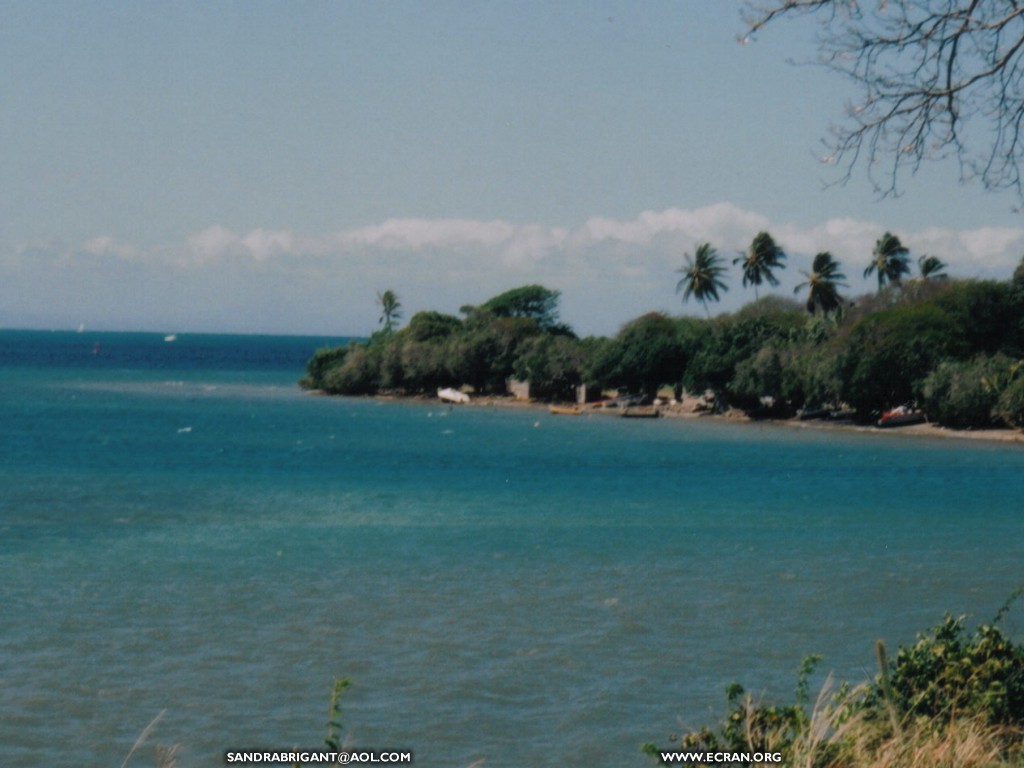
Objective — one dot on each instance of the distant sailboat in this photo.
(171, 337)
(81, 327)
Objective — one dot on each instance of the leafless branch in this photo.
(934, 77)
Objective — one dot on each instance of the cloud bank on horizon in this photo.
(279, 281)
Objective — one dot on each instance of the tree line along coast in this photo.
(949, 348)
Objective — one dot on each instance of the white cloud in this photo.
(986, 252)
(415, 234)
(105, 245)
(719, 224)
(213, 242)
(609, 270)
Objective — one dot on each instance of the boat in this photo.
(901, 416)
(566, 410)
(640, 412)
(171, 337)
(810, 414)
(450, 395)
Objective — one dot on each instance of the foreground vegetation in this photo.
(952, 699)
(956, 347)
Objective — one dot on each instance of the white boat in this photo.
(171, 337)
(450, 395)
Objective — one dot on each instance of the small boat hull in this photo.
(640, 412)
(450, 395)
(901, 417)
(565, 410)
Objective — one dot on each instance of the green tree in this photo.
(702, 276)
(531, 301)
(429, 325)
(728, 341)
(823, 284)
(761, 258)
(889, 260)
(647, 352)
(931, 266)
(390, 310)
(887, 354)
(552, 364)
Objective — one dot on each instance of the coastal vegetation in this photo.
(953, 698)
(954, 347)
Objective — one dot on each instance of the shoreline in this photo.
(687, 410)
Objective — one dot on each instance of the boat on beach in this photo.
(901, 416)
(566, 410)
(450, 395)
(640, 412)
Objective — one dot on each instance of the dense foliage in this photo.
(950, 691)
(955, 347)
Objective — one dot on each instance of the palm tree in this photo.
(889, 260)
(823, 284)
(761, 258)
(702, 276)
(390, 309)
(932, 266)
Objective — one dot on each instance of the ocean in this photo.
(184, 531)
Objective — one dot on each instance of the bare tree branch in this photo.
(936, 78)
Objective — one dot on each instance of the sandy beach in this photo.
(691, 408)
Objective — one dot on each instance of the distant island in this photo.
(952, 349)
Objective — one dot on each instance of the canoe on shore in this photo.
(566, 410)
(640, 412)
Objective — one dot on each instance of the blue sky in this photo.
(270, 166)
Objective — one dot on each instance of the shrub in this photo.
(321, 362)
(949, 674)
(950, 693)
(965, 394)
(1010, 407)
(358, 374)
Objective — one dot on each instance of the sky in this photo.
(270, 167)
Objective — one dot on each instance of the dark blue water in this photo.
(183, 530)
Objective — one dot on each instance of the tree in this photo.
(935, 78)
(647, 352)
(702, 276)
(823, 284)
(889, 260)
(430, 325)
(931, 266)
(533, 301)
(761, 258)
(390, 310)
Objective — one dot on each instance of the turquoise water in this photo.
(183, 530)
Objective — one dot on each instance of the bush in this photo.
(952, 698)
(321, 362)
(1010, 407)
(948, 674)
(359, 374)
(965, 394)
